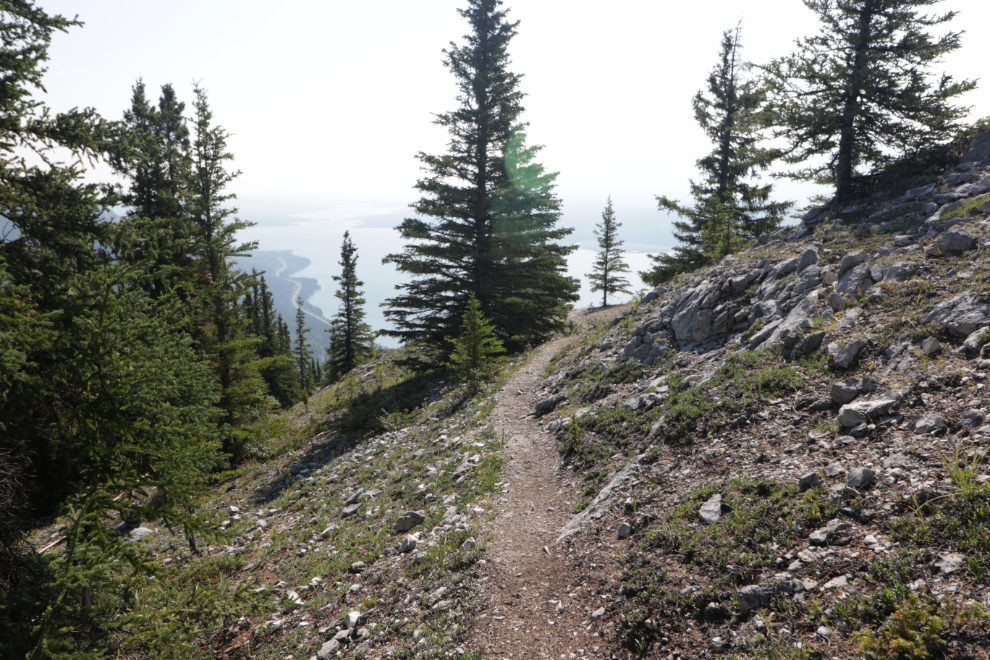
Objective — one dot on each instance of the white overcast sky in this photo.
(329, 101)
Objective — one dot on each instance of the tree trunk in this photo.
(850, 110)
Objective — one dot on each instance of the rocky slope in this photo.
(782, 456)
(792, 444)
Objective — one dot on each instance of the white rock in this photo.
(352, 618)
(711, 510)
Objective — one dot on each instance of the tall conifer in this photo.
(609, 264)
(155, 158)
(487, 217)
(303, 350)
(728, 208)
(859, 93)
(350, 337)
(221, 329)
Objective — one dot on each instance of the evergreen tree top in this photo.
(859, 91)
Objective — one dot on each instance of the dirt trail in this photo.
(533, 604)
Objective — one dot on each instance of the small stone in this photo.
(298, 468)
(328, 650)
(854, 414)
(139, 533)
(834, 470)
(845, 392)
(408, 544)
(597, 614)
(848, 353)
(836, 583)
(951, 243)
(711, 510)
(929, 424)
(547, 405)
(350, 510)
(625, 530)
(972, 418)
(408, 520)
(357, 567)
(860, 430)
(949, 562)
(352, 619)
(851, 260)
(860, 478)
(468, 545)
(931, 346)
(809, 481)
(824, 632)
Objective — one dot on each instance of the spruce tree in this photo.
(487, 218)
(609, 264)
(303, 351)
(859, 93)
(105, 404)
(474, 353)
(221, 329)
(728, 208)
(155, 158)
(350, 337)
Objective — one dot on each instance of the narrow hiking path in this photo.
(536, 598)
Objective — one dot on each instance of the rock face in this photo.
(961, 315)
(808, 258)
(951, 243)
(851, 286)
(604, 498)
(979, 148)
(787, 333)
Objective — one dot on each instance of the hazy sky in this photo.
(333, 99)
(329, 101)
